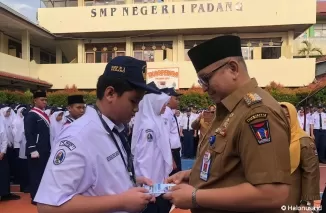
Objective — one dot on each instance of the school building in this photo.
(74, 39)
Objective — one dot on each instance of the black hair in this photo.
(120, 86)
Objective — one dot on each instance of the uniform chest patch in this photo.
(252, 98)
(256, 116)
(261, 132)
(114, 155)
(149, 135)
(59, 157)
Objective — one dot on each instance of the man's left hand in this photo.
(181, 196)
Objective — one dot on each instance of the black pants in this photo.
(4, 177)
(23, 175)
(188, 143)
(323, 202)
(160, 206)
(320, 139)
(177, 160)
(12, 155)
(36, 167)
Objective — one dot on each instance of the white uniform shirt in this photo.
(308, 122)
(84, 161)
(3, 138)
(173, 130)
(184, 121)
(316, 120)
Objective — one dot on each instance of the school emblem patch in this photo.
(149, 135)
(261, 132)
(59, 157)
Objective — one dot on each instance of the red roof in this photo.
(25, 79)
(321, 8)
(320, 59)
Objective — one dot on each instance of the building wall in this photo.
(177, 15)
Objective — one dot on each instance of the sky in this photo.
(27, 8)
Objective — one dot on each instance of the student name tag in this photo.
(204, 172)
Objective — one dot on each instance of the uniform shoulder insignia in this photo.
(261, 131)
(68, 144)
(59, 157)
(252, 98)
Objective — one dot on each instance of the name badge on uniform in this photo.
(204, 172)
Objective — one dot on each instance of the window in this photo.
(190, 44)
(247, 52)
(103, 53)
(150, 52)
(14, 48)
(320, 30)
(270, 52)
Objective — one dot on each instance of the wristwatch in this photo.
(193, 199)
(305, 203)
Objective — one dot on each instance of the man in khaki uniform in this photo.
(243, 162)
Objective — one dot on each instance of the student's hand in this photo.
(135, 199)
(2, 155)
(144, 180)
(35, 154)
(179, 177)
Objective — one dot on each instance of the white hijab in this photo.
(149, 117)
(8, 122)
(56, 126)
(18, 124)
(48, 112)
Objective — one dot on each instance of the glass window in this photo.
(190, 44)
(153, 51)
(271, 52)
(103, 53)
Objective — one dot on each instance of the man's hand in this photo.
(135, 199)
(35, 154)
(179, 177)
(2, 155)
(181, 196)
(148, 182)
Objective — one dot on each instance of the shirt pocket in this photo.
(217, 151)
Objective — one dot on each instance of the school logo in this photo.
(149, 135)
(59, 157)
(261, 132)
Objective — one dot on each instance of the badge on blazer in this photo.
(261, 132)
(205, 166)
(59, 157)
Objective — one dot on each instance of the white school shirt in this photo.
(173, 130)
(184, 121)
(308, 122)
(316, 122)
(84, 161)
(3, 138)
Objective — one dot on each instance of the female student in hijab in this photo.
(304, 163)
(8, 115)
(19, 137)
(150, 146)
(56, 121)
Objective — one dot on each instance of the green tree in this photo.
(308, 50)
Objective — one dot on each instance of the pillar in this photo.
(58, 55)
(3, 43)
(81, 3)
(26, 46)
(37, 55)
(179, 51)
(129, 47)
(80, 51)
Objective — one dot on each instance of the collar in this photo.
(38, 108)
(234, 98)
(169, 110)
(111, 125)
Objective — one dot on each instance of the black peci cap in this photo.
(75, 99)
(39, 94)
(214, 50)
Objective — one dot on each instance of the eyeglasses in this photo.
(203, 81)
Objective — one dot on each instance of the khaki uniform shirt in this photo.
(305, 179)
(252, 137)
